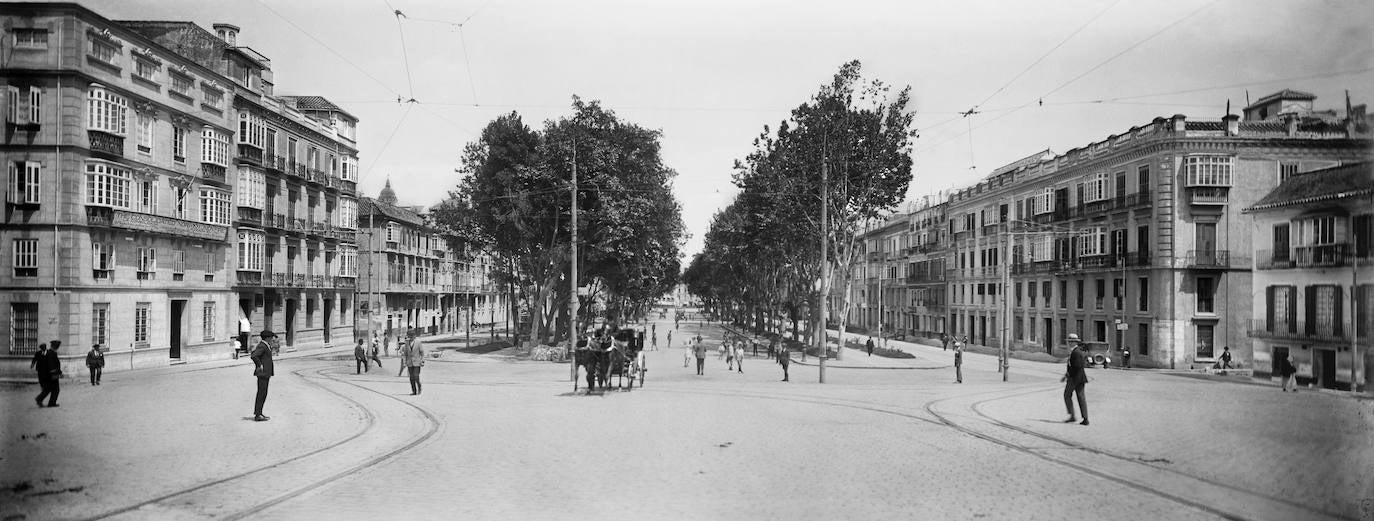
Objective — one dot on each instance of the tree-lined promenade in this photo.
(841, 159)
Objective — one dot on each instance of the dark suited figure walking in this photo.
(785, 359)
(869, 345)
(699, 349)
(262, 369)
(959, 364)
(1075, 379)
(95, 363)
(360, 357)
(49, 369)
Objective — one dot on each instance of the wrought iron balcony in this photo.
(345, 282)
(248, 278)
(213, 172)
(1323, 256)
(99, 216)
(1207, 195)
(146, 222)
(274, 162)
(1319, 331)
(106, 144)
(250, 154)
(1208, 259)
(249, 216)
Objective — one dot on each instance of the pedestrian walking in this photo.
(415, 356)
(773, 348)
(372, 353)
(262, 369)
(700, 351)
(1225, 358)
(95, 363)
(670, 339)
(245, 330)
(739, 356)
(785, 359)
(686, 353)
(49, 369)
(405, 360)
(1126, 359)
(754, 343)
(727, 348)
(654, 340)
(1075, 379)
(958, 364)
(869, 345)
(1288, 372)
(360, 358)
(944, 339)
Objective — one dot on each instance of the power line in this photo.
(405, 55)
(1232, 86)
(387, 143)
(328, 48)
(1048, 53)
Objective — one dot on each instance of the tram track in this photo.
(1055, 454)
(195, 499)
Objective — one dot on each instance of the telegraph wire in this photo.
(405, 55)
(1231, 86)
(328, 48)
(387, 144)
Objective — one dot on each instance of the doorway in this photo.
(178, 310)
(1048, 337)
(290, 322)
(328, 319)
(1206, 244)
(1324, 368)
(1278, 355)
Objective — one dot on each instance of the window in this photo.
(1045, 292)
(1063, 294)
(105, 51)
(207, 321)
(214, 147)
(214, 206)
(1079, 302)
(178, 144)
(348, 213)
(392, 231)
(105, 110)
(252, 188)
(1280, 308)
(147, 263)
(182, 84)
(145, 133)
(1287, 170)
(213, 97)
(250, 250)
(108, 185)
(1092, 241)
(180, 202)
(252, 130)
(1142, 179)
(1143, 294)
(24, 179)
(1143, 330)
(348, 261)
(1099, 330)
(1208, 170)
(1018, 294)
(25, 257)
(35, 105)
(145, 69)
(23, 327)
(312, 158)
(178, 262)
(100, 324)
(1205, 295)
(1206, 334)
(102, 259)
(1323, 230)
(146, 201)
(1119, 293)
(291, 146)
(1095, 188)
(1031, 290)
(1101, 293)
(141, 324)
(12, 104)
(30, 38)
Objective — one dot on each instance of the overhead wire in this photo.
(328, 48)
(386, 144)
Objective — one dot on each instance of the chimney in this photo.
(1179, 122)
(228, 32)
(1232, 123)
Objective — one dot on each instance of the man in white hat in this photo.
(1075, 379)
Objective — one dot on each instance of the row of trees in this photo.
(849, 146)
(514, 200)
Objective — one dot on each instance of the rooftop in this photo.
(1328, 184)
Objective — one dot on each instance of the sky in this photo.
(710, 74)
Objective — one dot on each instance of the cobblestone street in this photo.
(491, 437)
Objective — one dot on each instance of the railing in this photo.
(250, 154)
(248, 278)
(1207, 195)
(1326, 255)
(250, 216)
(107, 144)
(213, 172)
(146, 222)
(299, 280)
(1208, 259)
(1321, 331)
(274, 162)
(278, 221)
(345, 282)
(926, 277)
(99, 216)
(319, 281)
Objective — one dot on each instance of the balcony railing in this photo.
(1207, 259)
(146, 222)
(109, 145)
(926, 277)
(1321, 331)
(213, 172)
(1207, 195)
(345, 282)
(1326, 255)
(249, 216)
(274, 162)
(250, 154)
(99, 216)
(248, 278)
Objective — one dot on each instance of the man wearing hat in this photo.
(1075, 378)
(262, 368)
(414, 359)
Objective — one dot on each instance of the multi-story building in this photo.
(1313, 285)
(129, 145)
(117, 208)
(927, 298)
(411, 277)
(1136, 241)
(900, 281)
(294, 163)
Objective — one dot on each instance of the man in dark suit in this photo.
(1075, 379)
(262, 368)
(49, 368)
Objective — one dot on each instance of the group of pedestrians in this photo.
(412, 357)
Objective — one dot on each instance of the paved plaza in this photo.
(493, 437)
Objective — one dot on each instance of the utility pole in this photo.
(371, 261)
(1006, 301)
(572, 276)
(1354, 323)
(825, 232)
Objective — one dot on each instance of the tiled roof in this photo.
(368, 206)
(315, 103)
(1340, 182)
(1284, 94)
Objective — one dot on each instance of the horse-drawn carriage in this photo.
(611, 353)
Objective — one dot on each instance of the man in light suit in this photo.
(415, 359)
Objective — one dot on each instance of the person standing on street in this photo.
(262, 369)
(699, 348)
(1288, 372)
(360, 358)
(95, 363)
(739, 356)
(869, 345)
(415, 356)
(405, 360)
(1075, 379)
(958, 364)
(245, 330)
(49, 369)
(785, 359)
(372, 353)
(944, 339)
